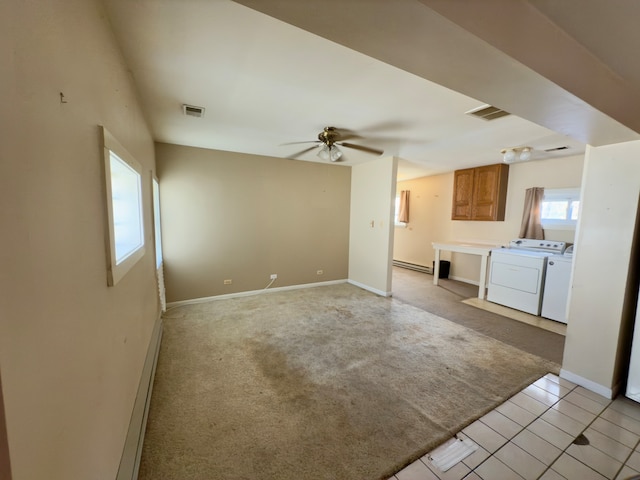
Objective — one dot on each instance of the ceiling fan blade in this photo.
(350, 136)
(346, 134)
(375, 151)
(301, 152)
(297, 143)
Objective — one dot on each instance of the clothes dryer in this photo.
(517, 273)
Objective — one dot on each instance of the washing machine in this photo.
(556, 286)
(517, 273)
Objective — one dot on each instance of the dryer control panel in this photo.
(550, 246)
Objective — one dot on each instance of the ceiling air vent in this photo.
(556, 149)
(487, 112)
(193, 111)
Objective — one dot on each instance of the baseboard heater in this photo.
(413, 266)
(130, 461)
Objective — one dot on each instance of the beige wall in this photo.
(243, 217)
(71, 348)
(371, 231)
(430, 217)
(599, 324)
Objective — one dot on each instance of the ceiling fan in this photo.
(329, 140)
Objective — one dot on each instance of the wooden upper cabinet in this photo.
(480, 193)
(462, 194)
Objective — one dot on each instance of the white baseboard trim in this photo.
(252, 292)
(606, 392)
(130, 461)
(465, 280)
(370, 289)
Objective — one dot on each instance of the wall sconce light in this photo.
(516, 154)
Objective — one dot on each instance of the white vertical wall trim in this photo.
(130, 461)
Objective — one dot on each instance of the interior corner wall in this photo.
(597, 329)
(241, 217)
(72, 349)
(373, 190)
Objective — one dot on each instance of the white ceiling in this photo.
(265, 83)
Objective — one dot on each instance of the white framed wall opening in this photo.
(125, 216)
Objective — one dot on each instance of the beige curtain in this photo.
(403, 213)
(531, 224)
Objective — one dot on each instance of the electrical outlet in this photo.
(228, 282)
(274, 276)
(319, 272)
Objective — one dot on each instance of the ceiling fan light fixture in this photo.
(323, 153)
(334, 153)
(330, 152)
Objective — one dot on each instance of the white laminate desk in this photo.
(482, 249)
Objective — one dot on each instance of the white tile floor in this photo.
(533, 436)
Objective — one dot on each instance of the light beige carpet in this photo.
(321, 383)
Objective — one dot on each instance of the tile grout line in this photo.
(548, 467)
(633, 450)
(563, 451)
(599, 415)
(581, 433)
(524, 428)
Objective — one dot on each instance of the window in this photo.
(397, 212)
(126, 203)
(123, 182)
(560, 208)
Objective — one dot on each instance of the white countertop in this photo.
(466, 247)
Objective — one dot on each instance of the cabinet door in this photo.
(489, 192)
(462, 194)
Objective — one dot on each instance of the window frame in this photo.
(561, 194)
(157, 222)
(116, 270)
